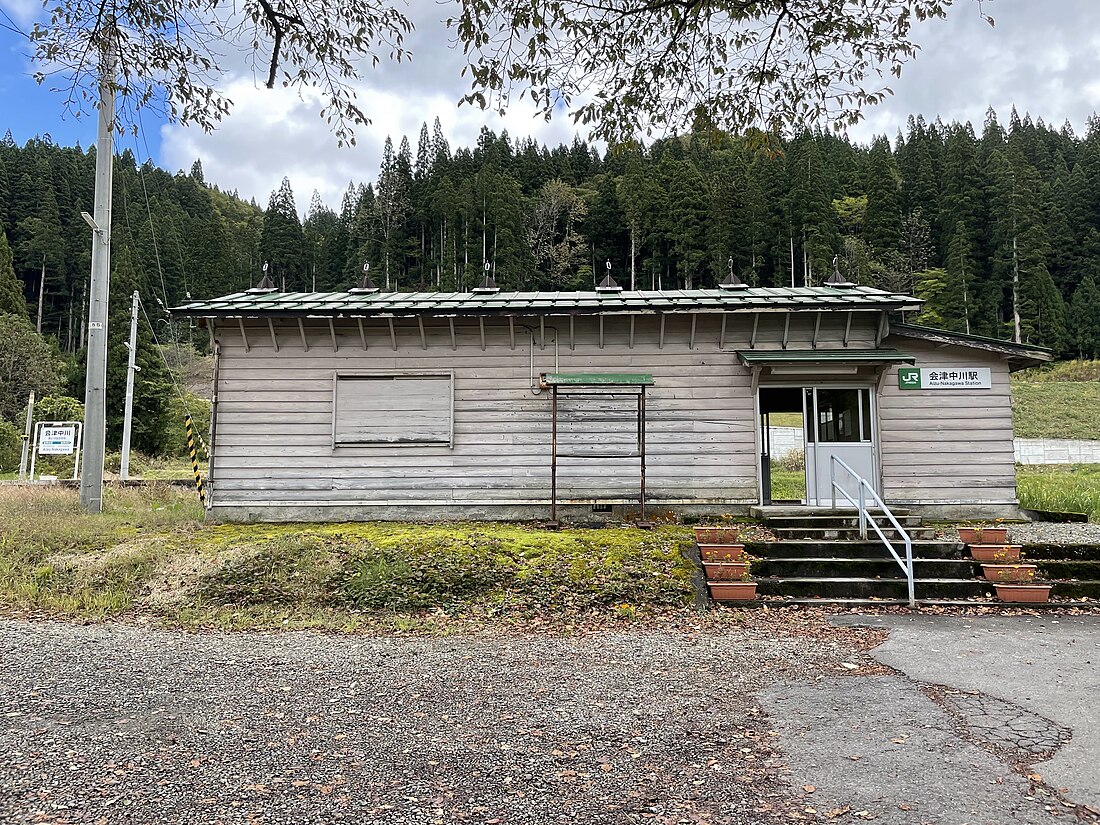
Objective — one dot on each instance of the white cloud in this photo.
(1041, 57)
(22, 12)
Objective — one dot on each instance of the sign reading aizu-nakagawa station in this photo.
(945, 378)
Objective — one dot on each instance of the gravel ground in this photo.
(122, 724)
(1043, 532)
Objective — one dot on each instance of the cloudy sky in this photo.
(1043, 56)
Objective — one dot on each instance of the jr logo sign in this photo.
(909, 378)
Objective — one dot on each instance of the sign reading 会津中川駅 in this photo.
(945, 378)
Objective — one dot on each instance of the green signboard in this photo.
(945, 378)
(909, 378)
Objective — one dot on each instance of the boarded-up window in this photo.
(393, 409)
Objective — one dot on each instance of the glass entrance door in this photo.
(838, 423)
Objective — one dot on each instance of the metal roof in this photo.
(618, 379)
(823, 356)
(346, 304)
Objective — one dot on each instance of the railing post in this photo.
(832, 477)
(910, 571)
(862, 513)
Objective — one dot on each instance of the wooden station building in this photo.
(368, 405)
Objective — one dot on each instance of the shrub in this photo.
(11, 446)
(792, 461)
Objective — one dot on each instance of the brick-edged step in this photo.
(866, 588)
(804, 549)
(871, 568)
(850, 533)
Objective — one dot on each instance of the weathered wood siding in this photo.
(274, 445)
(947, 446)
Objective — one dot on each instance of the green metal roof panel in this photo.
(823, 356)
(597, 379)
(346, 304)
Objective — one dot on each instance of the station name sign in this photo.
(57, 441)
(943, 378)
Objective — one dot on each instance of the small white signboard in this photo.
(57, 441)
(945, 378)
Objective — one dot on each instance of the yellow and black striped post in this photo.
(194, 458)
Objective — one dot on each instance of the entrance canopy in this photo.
(837, 357)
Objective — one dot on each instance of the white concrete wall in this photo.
(1056, 451)
(786, 440)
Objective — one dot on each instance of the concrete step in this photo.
(847, 533)
(867, 588)
(851, 520)
(770, 511)
(802, 549)
(861, 568)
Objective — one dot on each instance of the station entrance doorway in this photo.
(802, 429)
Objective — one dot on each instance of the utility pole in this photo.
(24, 454)
(131, 368)
(95, 389)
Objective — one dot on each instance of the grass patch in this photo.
(788, 485)
(1056, 409)
(151, 553)
(1060, 488)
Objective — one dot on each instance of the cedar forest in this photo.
(999, 232)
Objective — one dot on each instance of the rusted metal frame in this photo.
(423, 334)
(554, 456)
(847, 327)
(393, 334)
(244, 335)
(274, 337)
(817, 329)
(691, 336)
(641, 451)
(755, 328)
(362, 333)
(332, 333)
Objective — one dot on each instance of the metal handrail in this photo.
(865, 517)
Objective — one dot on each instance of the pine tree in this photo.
(393, 205)
(151, 382)
(11, 289)
(281, 241)
(882, 225)
(1085, 319)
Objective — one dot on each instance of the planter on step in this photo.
(983, 535)
(732, 591)
(727, 571)
(1009, 572)
(1033, 593)
(716, 535)
(996, 553)
(722, 552)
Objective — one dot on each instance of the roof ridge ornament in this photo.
(265, 285)
(731, 281)
(366, 285)
(608, 284)
(488, 283)
(836, 279)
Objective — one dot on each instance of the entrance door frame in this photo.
(870, 386)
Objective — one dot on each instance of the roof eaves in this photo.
(1026, 354)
